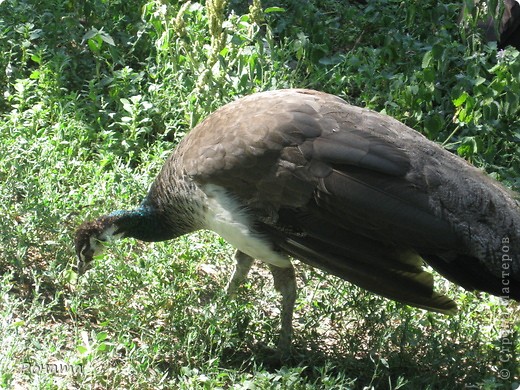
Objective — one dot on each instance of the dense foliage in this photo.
(94, 96)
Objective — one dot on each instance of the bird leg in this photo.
(285, 284)
(242, 267)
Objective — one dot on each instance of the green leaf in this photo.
(274, 9)
(511, 105)
(101, 336)
(433, 124)
(478, 80)
(460, 100)
(95, 44)
(491, 110)
(468, 147)
(429, 75)
(35, 34)
(95, 39)
(93, 32)
(135, 99)
(414, 89)
(107, 38)
(437, 51)
(36, 58)
(426, 59)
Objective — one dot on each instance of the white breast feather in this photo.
(226, 218)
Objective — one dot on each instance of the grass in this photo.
(95, 95)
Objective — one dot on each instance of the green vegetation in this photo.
(94, 95)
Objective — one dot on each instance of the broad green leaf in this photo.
(107, 38)
(90, 34)
(426, 59)
(437, 51)
(101, 336)
(433, 124)
(274, 9)
(460, 100)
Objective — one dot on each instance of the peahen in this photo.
(507, 29)
(302, 174)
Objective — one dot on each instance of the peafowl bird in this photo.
(509, 26)
(507, 31)
(302, 174)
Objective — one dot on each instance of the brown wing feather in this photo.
(383, 188)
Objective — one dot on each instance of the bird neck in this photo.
(144, 224)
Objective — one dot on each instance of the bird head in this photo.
(90, 238)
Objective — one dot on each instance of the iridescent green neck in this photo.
(144, 224)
